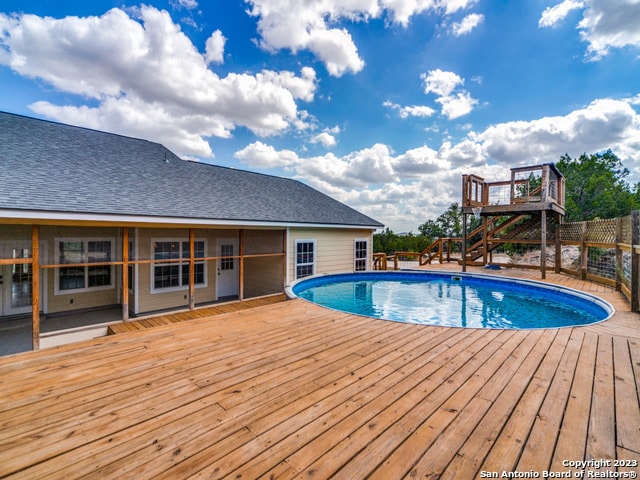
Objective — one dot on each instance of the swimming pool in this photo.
(454, 299)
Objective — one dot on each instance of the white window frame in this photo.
(357, 259)
(86, 288)
(181, 254)
(304, 264)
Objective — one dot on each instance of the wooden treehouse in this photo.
(526, 209)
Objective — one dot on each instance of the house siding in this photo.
(334, 248)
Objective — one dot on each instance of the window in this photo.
(305, 258)
(172, 267)
(360, 255)
(226, 263)
(83, 251)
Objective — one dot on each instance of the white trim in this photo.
(366, 255)
(234, 273)
(295, 257)
(152, 289)
(137, 219)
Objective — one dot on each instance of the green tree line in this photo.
(596, 186)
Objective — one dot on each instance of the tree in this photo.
(389, 242)
(448, 224)
(596, 187)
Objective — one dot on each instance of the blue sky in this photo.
(382, 104)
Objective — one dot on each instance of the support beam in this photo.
(543, 244)
(558, 263)
(618, 250)
(284, 259)
(125, 274)
(241, 266)
(485, 244)
(584, 256)
(464, 241)
(635, 261)
(192, 269)
(35, 286)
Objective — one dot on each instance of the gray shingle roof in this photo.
(47, 166)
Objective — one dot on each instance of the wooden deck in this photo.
(292, 390)
(210, 311)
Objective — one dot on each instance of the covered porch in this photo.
(73, 279)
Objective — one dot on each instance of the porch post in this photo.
(35, 286)
(543, 244)
(465, 200)
(485, 243)
(125, 274)
(192, 269)
(464, 241)
(635, 260)
(558, 239)
(285, 273)
(241, 266)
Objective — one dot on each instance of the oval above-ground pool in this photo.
(454, 299)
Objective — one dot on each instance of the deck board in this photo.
(292, 390)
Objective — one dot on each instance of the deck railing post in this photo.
(35, 286)
(618, 250)
(584, 257)
(464, 241)
(125, 274)
(558, 240)
(635, 260)
(192, 268)
(543, 244)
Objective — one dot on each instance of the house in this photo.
(91, 220)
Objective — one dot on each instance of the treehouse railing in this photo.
(534, 184)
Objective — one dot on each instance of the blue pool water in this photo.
(456, 300)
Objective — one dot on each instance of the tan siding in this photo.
(334, 248)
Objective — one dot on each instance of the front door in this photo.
(15, 285)
(227, 282)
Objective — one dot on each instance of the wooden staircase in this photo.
(499, 230)
(503, 229)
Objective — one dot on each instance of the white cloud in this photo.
(410, 110)
(605, 24)
(551, 16)
(324, 138)
(147, 68)
(453, 6)
(406, 189)
(259, 155)
(295, 25)
(454, 103)
(603, 124)
(188, 4)
(467, 24)
(440, 82)
(457, 105)
(610, 24)
(214, 48)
